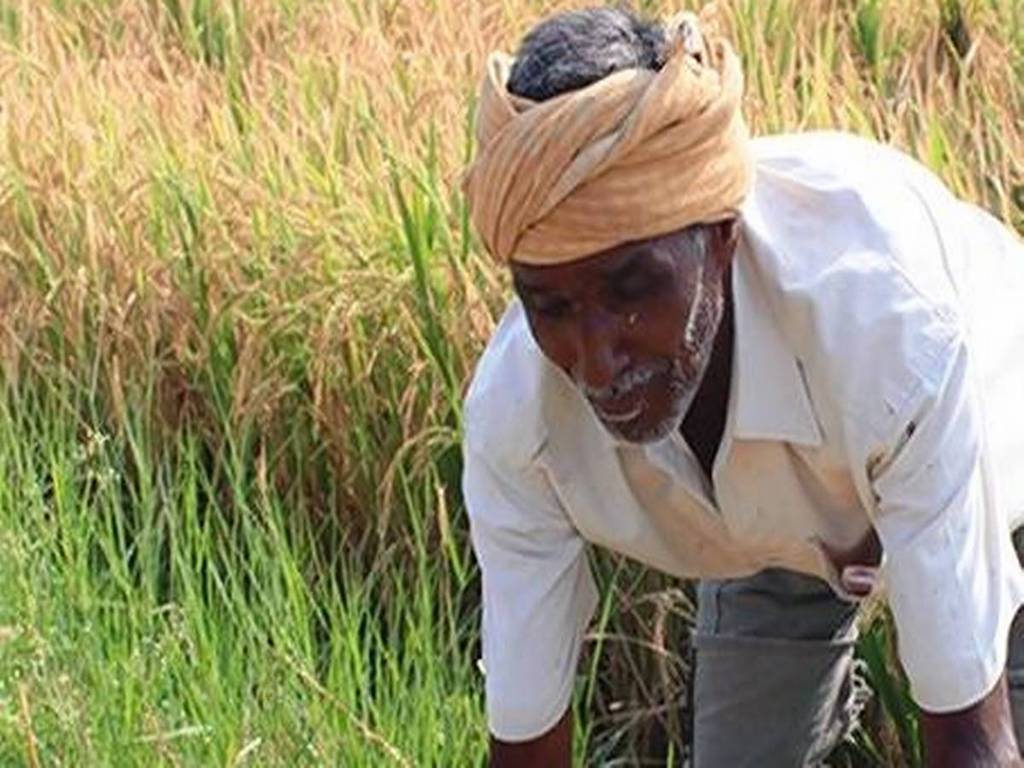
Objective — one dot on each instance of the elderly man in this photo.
(789, 366)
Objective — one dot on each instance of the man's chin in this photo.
(640, 431)
(646, 427)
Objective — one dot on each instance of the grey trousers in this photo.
(795, 638)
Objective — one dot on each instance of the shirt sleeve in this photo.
(953, 578)
(538, 596)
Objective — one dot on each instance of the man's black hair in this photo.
(574, 49)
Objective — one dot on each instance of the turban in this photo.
(636, 154)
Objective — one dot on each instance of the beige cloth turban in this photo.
(634, 155)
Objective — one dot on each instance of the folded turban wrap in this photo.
(636, 154)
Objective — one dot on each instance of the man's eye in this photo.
(633, 288)
(551, 308)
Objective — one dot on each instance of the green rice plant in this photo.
(9, 21)
(896, 724)
(150, 615)
(870, 29)
(210, 29)
(240, 301)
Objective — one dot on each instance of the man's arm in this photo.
(553, 749)
(981, 735)
(952, 575)
(538, 596)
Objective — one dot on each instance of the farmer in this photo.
(788, 366)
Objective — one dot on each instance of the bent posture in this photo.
(788, 366)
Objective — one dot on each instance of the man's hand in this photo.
(553, 749)
(980, 736)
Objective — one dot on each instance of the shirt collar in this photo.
(771, 401)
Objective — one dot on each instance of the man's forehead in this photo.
(611, 262)
(607, 264)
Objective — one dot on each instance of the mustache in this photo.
(629, 380)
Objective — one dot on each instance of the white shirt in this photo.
(878, 382)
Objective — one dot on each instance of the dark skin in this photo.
(620, 310)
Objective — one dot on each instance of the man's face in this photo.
(633, 326)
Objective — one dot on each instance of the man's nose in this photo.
(599, 360)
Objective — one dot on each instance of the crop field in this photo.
(240, 301)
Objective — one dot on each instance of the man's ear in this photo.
(724, 236)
